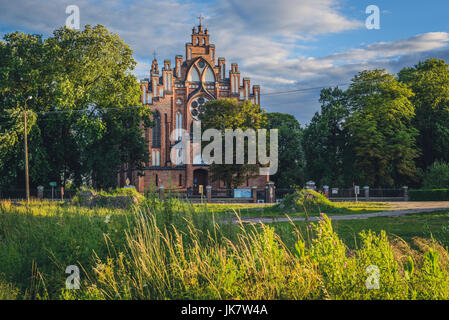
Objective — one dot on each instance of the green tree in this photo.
(429, 81)
(231, 114)
(85, 122)
(380, 129)
(21, 75)
(328, 160)
(291, 158)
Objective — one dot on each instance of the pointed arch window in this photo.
(156, 158)
(178, 126)
(209, 75)
(157, 130)
(194, 76)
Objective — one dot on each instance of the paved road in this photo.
(396, 209)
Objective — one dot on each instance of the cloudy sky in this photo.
(282, 45)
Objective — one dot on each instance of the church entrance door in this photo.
(199, 178)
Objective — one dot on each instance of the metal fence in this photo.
(335, 194)
(20, 194)
(348, 194)
(375, 194)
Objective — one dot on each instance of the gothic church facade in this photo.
(176, 96)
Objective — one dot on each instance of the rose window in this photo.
(197, 106)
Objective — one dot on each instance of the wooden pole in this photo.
(27, 179)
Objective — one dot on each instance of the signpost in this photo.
(200, 190)
(242, 193)
(52, 185)
(356, 191)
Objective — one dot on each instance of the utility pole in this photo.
(27, 180)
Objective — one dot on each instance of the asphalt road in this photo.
(396, 209)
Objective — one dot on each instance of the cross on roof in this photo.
(154, 54)
(200, 18)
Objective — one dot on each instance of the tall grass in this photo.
(173, 250)
(168, 262)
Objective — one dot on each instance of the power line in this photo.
(74, 111)
(139, 107)
(303, 89)
(87, 110)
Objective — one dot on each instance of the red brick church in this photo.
(176, 97)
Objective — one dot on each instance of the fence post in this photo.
(310, 185)
(254, 194)
(326, 191)
(209, 193)
(366, 189)
(270, 192)
(405, 188)
(40, 192)
(161, 193)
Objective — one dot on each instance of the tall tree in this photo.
(325, 141)
(291, 158)
(84, 111)
(380, 129)
(429, 80)
(231, 114)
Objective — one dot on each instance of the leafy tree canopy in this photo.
(429, 81)
(83, 117)
(225, 114)
(325, 141)
(291, 158)
(380, 129)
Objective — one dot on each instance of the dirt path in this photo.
(411, 205)
(397, 209)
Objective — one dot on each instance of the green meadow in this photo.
(176, 250)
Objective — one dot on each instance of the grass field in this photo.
(421, 225)
(270, 210)
(174, 250)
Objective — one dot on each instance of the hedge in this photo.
(429, 195)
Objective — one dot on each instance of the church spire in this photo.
(200, 24)
(154, 66)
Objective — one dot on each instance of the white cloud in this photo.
(146, 25)
(265, 37)
(340, 68)
(419, 43)
(289, 19)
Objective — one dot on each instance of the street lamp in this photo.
(27, 180)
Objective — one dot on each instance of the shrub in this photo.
(307, 201)
(115, 198)
(429, 195)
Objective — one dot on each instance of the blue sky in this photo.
(282, 45)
